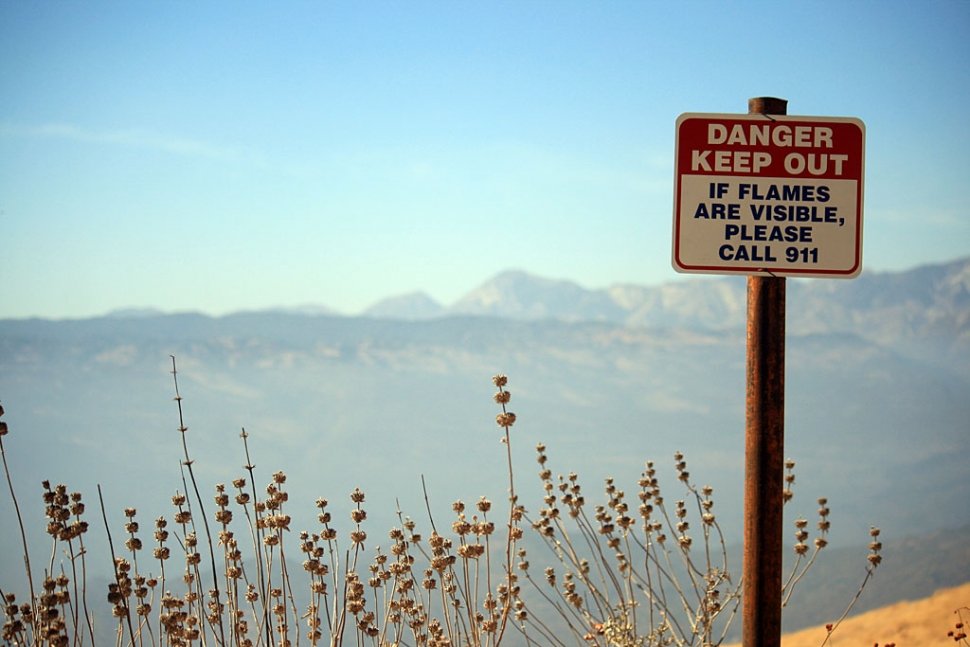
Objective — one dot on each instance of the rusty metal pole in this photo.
(764, 447)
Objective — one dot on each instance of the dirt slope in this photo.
(920, 623)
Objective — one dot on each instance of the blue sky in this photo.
(222, 156)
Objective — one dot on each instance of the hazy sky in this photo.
(219, 156)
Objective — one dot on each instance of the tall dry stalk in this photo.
(4, 430)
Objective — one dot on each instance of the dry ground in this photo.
(920, 623)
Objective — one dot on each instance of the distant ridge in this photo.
(309, 310)
(929, 298)
(518, 295)
(134, 313)
(926, 302)
(930, 302)
(412, 306)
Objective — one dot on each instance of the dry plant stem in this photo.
(205, 521)
(820, 543)
(342, 613)
(510, 543)
(193, 570)
(649, 587)
(566, 611)
(707, 533)
(855, 598)
(565, 548)
(134, 564)
(466, 593)
(606, 574)
(20, 522)
(18, 637)
(542, 628)
(83, 598)
(257, 537)
(731, 617)
(267, 619)
(685, 557)
(427, 505)
(161, 587)
(572, 614)
(628, 583)
(666, 575)
(114, 567)
(700, 595)
(288, 587)
(797, 575)
(959, 632)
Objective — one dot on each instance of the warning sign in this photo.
(768, 195)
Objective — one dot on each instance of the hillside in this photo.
(908, 623)
(912, 568)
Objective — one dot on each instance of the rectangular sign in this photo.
(771, 195)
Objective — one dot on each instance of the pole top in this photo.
(767, 106)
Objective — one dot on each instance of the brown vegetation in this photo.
(629, 572)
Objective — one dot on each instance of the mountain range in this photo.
(398, 401)
(928, 303)
(927, 306)
(929, 297)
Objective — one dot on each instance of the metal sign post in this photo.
(764, 448)
(768, 196)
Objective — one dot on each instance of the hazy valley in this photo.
(877, 401)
